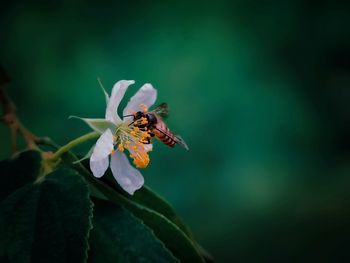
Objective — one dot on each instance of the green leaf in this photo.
(152, 200)
(118, 236)
(47, 221)
(146, 197)
(170, 234)
(21, 170)
(208, 258)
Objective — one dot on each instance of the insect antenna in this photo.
(130, 115)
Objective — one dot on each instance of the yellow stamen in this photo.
(141, 161)
(121, 147)
(134, 139)
(140, 156)
(146, 135)
(143, 120)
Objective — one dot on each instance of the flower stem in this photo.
(75, 142)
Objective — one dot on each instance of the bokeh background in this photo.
(260, 90)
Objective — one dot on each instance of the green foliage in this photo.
(51, 218)
(128, 241)
(180, 244)
(18, 172)
(40, 221)
(146, 197)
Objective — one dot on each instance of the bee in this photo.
(154, 124)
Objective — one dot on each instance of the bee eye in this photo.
(139, 115)
(151, 118)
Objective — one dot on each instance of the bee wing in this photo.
(181, 142)
(162, 110)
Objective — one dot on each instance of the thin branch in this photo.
(9, 108)
(10, 118)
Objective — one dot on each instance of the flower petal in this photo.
(118, 92)
(103, 147)
(99, 125)
(99, 168)
(148, 147)
(128, 177)
(146, 95)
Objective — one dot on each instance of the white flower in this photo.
(117, 135)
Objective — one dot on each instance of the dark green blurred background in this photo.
(259, 90)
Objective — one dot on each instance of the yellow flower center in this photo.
(143, 120)
(134, 139)
(120, 147)
(140, 156)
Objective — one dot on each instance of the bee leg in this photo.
(146, 141)
(131, 123)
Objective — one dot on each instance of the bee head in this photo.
(138, 115)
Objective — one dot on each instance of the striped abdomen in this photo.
(162, 132)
